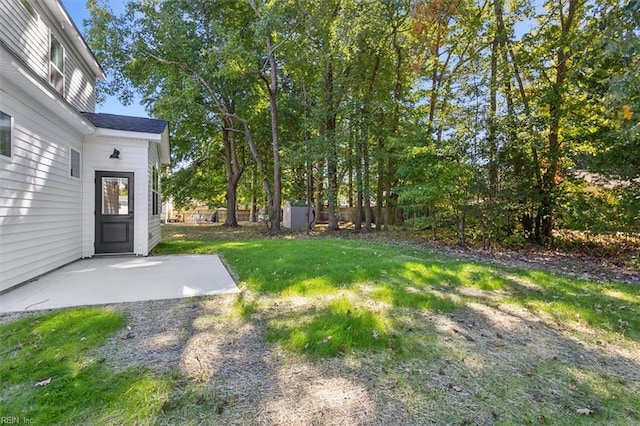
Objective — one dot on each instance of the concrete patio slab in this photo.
(105, 280)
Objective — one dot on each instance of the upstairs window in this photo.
(56, 65)
(6, 131)
(30, 9)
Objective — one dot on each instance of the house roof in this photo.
(122, 126)
(126, 123)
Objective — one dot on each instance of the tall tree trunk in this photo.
(351, 170)
(366, 182)
(311, 212)
(398, 95)
(388, 198)
(332, 149)
(256, 156)
(358, 216)
(275, 199)
(380, 199)
(492, 127)
(319, 187)
(357, 136)
(460, 229)
(254, 195)
(275, 207)
(552, 175)
(366, 127)
(233, 172)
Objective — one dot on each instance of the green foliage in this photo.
(597, 208)
(461, 110)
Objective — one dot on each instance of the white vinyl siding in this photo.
(29, 38)
(40, 207)
(80, 91)
(154, 220)
(133, 158)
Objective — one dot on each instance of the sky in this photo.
(78, 12)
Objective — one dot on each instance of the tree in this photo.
(438, 108)
(156, 47)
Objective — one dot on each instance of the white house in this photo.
(73, 183)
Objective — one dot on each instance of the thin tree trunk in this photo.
(359, 178)
(254, 195)
(319, 189)
(233, 172)
(492, 127)
(380, 184)
(366, 183)
(552, 176)
(460, 229)
(332, 151)
(275, 199)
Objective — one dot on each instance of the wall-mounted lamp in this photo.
(116, 154)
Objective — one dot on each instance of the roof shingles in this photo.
(123, 122)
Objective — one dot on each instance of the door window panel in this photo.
(115, 196)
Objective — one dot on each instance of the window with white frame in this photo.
(6, 134)
(74, 163)
(56, 64)
(30, 9)
(155, 192)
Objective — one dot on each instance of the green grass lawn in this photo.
(324, 298)
(49, 375)
(408, 277)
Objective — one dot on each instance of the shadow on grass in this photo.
(550, 373)
(407, 277)
(611, 307)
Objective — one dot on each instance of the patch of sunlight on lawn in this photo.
(419, 272)
(616, 294)
(401, 296)
(240, 244)
(336, 329)
(311, 287)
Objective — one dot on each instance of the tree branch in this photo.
(214, 95)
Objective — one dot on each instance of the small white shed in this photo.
(122, 202)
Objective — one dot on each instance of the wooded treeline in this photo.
(490, 115)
